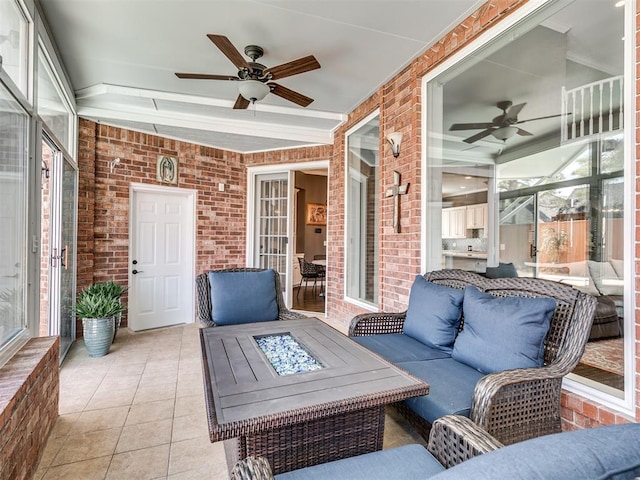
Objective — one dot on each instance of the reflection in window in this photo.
(13, 212)
(362, 212)
(544, 110)
(14, 42)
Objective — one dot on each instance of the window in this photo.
(13, 218)
(361, 219)
(53, 107)
(14, 42)
(532, 126)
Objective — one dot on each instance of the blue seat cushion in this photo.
(451, 385)
(502, 333)
(243, 297)
(401, 463)
(611, 452)
(434, 314)
(398, 347)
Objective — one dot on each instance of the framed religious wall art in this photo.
(167, 169)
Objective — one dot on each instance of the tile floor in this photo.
(139, 413)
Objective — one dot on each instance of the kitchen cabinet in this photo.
(476, 216)
(454, 222)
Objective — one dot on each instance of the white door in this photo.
(161, 257)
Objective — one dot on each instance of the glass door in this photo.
(271, 247)
(59, 246)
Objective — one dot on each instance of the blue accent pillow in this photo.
(502, 333)
(243, 297)
(434, 312)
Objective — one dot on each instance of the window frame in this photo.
(494, 38)
(370, 306)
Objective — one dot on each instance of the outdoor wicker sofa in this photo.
(244, 295)
(458, 449)
(512, 405)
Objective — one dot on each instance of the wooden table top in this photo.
(245, 394)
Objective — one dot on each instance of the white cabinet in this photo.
(477, 216)
(454, 222)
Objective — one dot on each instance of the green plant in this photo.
(100, 300)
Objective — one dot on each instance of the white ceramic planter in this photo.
(98, 335)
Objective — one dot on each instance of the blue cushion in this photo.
(611, 452)
(397, 347)
(502, 333)
(433, 316)
(243, 297)
(401, 463)
(451, 385)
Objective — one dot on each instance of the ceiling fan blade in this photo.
(231, 52)
(478, 136)
(540, 118)
(290, 95)
(512, 113)
(524, 133)
(301, 65)
(470, 126)
(241, 103)
(205, 76)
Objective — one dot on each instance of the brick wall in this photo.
(29, 394)
(103, 205)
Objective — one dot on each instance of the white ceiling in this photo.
(121, 56)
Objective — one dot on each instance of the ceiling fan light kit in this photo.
(253, 90)
(254, 79)
(505, 133)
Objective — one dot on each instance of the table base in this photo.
(317, 441)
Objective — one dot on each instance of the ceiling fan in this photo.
(501, 127)
(254, 79)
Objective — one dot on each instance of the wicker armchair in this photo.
(511, 405)
(453, 440)
(203, 289)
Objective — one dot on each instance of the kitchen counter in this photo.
(465, 254)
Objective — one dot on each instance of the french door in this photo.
(271, 227)
(60, 187)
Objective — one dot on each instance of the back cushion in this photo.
(502, 333)
(243, 297)
(605, 278)
(434, 313)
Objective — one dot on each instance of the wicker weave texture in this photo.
(318, 441)
(516, 404)
(203, 289)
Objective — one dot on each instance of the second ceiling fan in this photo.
(501, 127)
(255, 79)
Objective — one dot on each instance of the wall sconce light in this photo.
(114, 163)
(45, 169)
(395, 139)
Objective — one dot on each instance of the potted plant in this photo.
(108, 289)
(98, 309)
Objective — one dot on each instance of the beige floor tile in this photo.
(107, 398)
(190, 385)
(190, 405)
(143, 435)
(150, 412)
(156, 378)
(156, 391)
(63, 425)
(129, 368)
(102, 419)
(51, 449)
(72, 404)
(95, 468)
(119, 382)
(85, 446)
(189, 426)
(197, 452)
(144, 464)
(215, 472)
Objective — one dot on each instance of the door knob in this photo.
(135, 272)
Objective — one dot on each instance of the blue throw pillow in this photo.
(502, 333)
(243, 297)
(433, 316)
